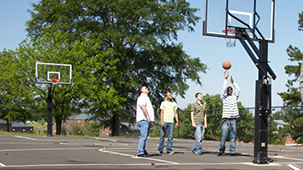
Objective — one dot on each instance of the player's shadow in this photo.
(227, 154)
(156, 155)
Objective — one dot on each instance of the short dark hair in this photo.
(166, 93)
(196, 95)
(141, 88)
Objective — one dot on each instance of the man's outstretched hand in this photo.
(231, 79)
(226, 74)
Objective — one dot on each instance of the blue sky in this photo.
(212, 51)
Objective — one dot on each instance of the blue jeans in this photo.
(199, 133)
(231, 127)
(144, 130)
(170, 128)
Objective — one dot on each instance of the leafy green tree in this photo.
(245, 125)
(292, 96)
(141, 36)
(185, 129)
(16, 97)
(214, 116)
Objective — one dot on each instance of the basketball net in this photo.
(230, 42)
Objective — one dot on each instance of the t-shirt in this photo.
(143, 99)
(199, 112)
(168, 111)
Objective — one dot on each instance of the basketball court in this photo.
(39, 152)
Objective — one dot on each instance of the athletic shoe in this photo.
(220, 153)
(142, 155)
(159, 153)
(198, 153)
(171, 153)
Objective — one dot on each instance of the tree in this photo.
(16, 96)
(214, 116)
(245, 124)
(141, 35)
(292, 97)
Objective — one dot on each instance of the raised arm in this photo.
(236, 87)
(224, 89)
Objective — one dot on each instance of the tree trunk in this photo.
(115, 124)
(58, 125)
(7, 126)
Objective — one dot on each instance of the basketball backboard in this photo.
(255, 16)
(47, 71)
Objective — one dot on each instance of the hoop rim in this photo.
(55, 81)
(229, 31)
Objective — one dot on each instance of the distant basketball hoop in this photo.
(230, 42)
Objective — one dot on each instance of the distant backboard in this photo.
(46, 71)
(256, 16)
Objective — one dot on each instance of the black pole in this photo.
(50, 110)
(261, 109)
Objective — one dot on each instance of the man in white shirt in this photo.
(144, 116)
(229, 115)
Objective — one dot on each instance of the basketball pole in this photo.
(263, 94)
(50, 110)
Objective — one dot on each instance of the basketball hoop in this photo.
(230, 42)
(55, 81)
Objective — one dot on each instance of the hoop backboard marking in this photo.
(45, 72)
(217, 19)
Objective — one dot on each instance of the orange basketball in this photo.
(226, 65)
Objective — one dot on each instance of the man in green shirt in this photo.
(199, 123)
(168, 114)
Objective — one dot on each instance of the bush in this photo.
(91, 129)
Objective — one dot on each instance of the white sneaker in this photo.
(158, 153)
(171, 153)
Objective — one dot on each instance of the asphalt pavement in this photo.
(41, 152)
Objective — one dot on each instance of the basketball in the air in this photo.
(226, 65)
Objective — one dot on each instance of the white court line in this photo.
(24, 137)
(133, 164)
(134, 156)
(1, 164)
(282, 157)
(44, 149)
(113, 140)
(76, 165)
(61, 143)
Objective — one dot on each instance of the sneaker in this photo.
(142, 155)
(171, 153)
(159, 153)
(198, 153)
(220, 153)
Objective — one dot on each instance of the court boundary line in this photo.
(147, 164)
